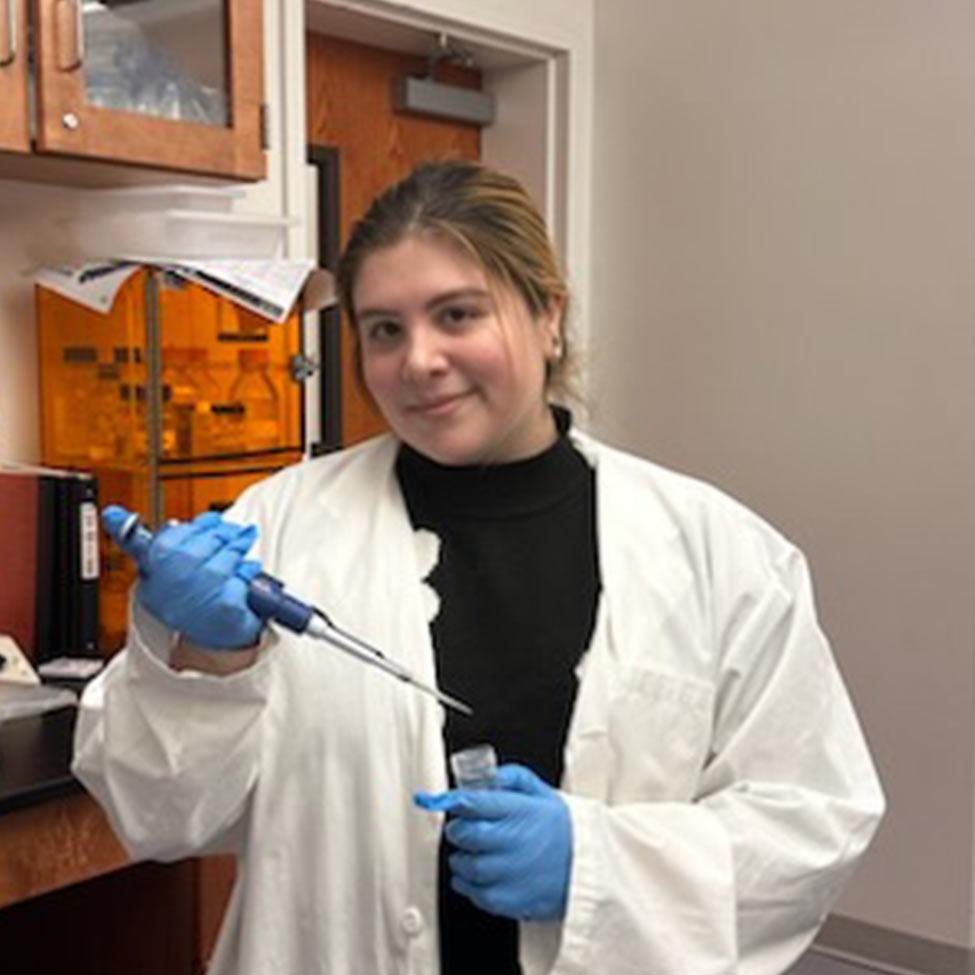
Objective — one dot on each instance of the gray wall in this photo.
(784, 285)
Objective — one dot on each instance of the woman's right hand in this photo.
(194, 579)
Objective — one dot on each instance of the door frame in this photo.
(327, 161)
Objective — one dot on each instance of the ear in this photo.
(550, 324)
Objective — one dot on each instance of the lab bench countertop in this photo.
(52, 833)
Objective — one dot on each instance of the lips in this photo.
(438, 405)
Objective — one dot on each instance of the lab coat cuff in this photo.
(587, 887)
(151, 645)
(567, 948)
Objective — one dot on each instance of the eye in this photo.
(381, 331)
(454, 316)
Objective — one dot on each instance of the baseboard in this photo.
(889, 951)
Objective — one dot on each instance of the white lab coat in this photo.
(719, 785)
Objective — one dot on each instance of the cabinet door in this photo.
(164, 83)
(14, 130)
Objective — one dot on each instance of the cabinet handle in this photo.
(8, 43)
(70, 40)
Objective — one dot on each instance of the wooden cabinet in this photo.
(63, 870)
(14, 124)
(167, 84)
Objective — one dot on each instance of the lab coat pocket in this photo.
(659, 729)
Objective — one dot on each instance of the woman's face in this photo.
(455, 361)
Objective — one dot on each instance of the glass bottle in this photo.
(134, 444)
(73, 401)
(179, 410)
(208, 394)
(132, 407)
(237, 324)
(129, 361)
(106, 426)
(227, 428)
(255, 392)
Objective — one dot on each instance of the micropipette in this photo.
(268, 600)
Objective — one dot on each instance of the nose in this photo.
(424, 354)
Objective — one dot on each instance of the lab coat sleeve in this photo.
(737, 880)
(170, 756)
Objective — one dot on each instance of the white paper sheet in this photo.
(92, 285)
(269, 288)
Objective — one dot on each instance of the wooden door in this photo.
(350, 108)
(161, 84)
(14, 123)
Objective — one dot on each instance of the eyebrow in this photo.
(457, 295)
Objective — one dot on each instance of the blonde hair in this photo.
(490, 216)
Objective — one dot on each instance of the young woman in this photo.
(685, 788)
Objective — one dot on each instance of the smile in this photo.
(441, 406)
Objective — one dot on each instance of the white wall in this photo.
(26, 216)
(783, 254)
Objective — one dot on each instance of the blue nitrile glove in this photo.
(514, 844)
(194, 579)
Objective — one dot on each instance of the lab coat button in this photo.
(412, 921)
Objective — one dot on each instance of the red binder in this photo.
(49, 561)
(19, 505)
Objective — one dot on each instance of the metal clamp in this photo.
(450, 51)
(302, 367)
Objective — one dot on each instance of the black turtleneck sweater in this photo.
(518, 581)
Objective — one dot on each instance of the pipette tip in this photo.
(452, 702)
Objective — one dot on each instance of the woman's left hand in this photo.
(514, 844)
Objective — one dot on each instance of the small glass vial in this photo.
(474, 767)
